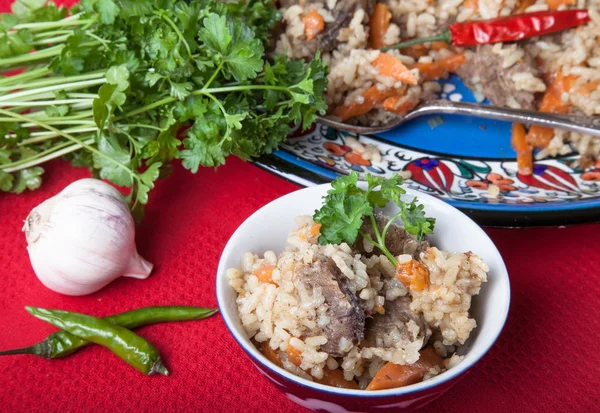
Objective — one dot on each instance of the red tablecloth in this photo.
(546, 359)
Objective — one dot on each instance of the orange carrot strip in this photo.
(471, 4)
(264, 273)
(336, 378)
(314, 230)
(313, 24)
(392, 375)
(588, 88)
(273, 355)
(413, 275)
(439, 68)
(294, 355)
(540, 136)
(391, 105)
(416, 51)
(371, 97)
(555, 4)
(379, 25)
(389, 65)
(522, 5)
(523, 149)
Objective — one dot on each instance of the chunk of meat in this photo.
(397, 315)
(397, 240)
(485, 68)
(343, 12)
(347, 316)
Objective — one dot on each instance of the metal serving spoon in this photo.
(582, 124)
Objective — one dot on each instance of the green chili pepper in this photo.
(131, 348)
(63, 343)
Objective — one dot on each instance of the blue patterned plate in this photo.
(457, 159)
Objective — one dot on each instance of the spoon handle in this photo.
(582, 124)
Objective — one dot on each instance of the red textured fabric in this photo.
(546, 359)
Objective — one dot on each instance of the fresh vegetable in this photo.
(313, 24)
(555, 4)
(392, 375)
(540, 136)
(589, 88)
(412, 274)
(522, 5)
(335, 378)
(503, 29)
(131, 348)
(63, 343)
(346, 204)
(83, 238)
(522, 148)
(371, 98)
(264, 274)
(439, 68)
(394, 104)
(294, 355)
(392, 66)
(379, 24)
(110, 86)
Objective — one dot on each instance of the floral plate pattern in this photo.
(463, 161)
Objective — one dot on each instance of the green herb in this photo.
(346, 204)
(111, 86)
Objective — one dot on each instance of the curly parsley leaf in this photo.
(347, 203)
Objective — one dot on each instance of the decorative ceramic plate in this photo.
(463, 160)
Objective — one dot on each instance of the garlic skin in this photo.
(83, 238)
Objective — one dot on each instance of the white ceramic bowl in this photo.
(267, 229)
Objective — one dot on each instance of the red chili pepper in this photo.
(504, 29)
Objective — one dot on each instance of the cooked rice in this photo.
(284, 313)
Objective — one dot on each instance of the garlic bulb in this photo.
(83, 238)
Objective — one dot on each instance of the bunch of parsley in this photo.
(347, 204)
(111, 84)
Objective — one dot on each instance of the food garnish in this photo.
(346, 204)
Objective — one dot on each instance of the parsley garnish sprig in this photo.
(347, 204)
(111, 85)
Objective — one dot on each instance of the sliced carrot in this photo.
(522, 5)
(523, 149)
(391, 105)
(389, 65)
(294, 355)
(439, 68)
(589, 88)
(416, 51)
(540, 136)
(439, 46)
(413, 275)
(379, 309)
(471, 4)
(555, 4)
(335, 378)
(313, 24)
(392, 375)
(314, 230)
(264, 274)
(273, 355)
(371, 97)
(379, 25)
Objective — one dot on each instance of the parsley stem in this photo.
(51, 33)
(43, 136)
(381, 247)
(214, 75)
(146, 108)
(71, 138)
(37, 27)
(29, 57)
(54, 80)
(240, 88)
(176, 29)
(389, 223)
(51, 40)
(139, 125)
(26, 75)
(26, 104)
(55, 152)
(52, 88)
